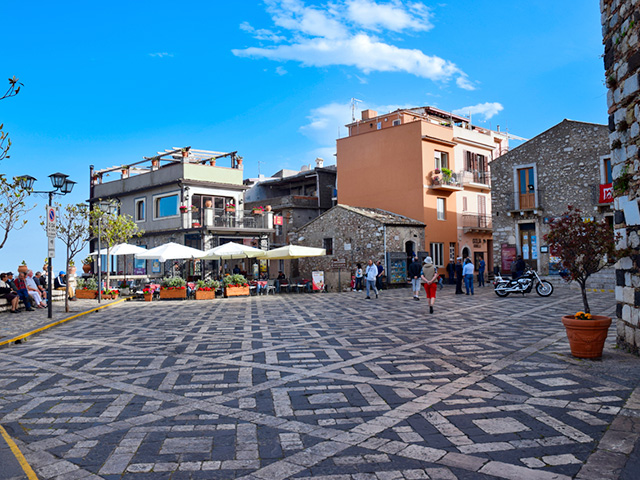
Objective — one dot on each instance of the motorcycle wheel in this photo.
(500, 291)
(544, 288)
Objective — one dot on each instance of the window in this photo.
(327, 244)
(482, 204)
(452, 251)
(139, 210)
(608, 177)
(379, 125)
(441, 159)
(440, 208)
(526, 188)
(396, 123)
(479, 165)
(166, 206)
(437, 253)
(465, 207)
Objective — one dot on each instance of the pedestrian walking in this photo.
(359, 277)
(429, 279)
(415, 271)
(481, 267)
(459, 276)
(371, 273)
(380, 274)
(467, 271)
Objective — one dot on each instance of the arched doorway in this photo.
(465, 252)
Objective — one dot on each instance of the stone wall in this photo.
(356, 239)
(567, 162)
(620, 28)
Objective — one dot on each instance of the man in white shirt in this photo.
(371, 273)
(34, 291)
(467, 272)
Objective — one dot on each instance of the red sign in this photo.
(277, 220)
(508, 257)
(606, 193)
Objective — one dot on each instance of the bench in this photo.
(56, 295)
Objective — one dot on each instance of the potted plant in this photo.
(173, 288)
(206, 289)
(230, 207)
(257, 210)
(235, 285)
(446, 175)
(23, 267)
(148, 294)
(125, 171)
(110, 294)
(72, 267)
(124, 288)
(584, 247)
(87, 288)
(86, 264)
(184, 209)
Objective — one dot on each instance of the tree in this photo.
(73, 230)
(5, 141)
(13, 208)
(584, 247)
(114, 229)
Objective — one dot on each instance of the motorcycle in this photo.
(524, 284)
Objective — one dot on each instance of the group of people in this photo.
(463, 271)
(29, 288)
(372, 274)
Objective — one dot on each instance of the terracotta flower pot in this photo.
(86, 268)
(23, 268)
(586, 337)
(72, 270)
(148, 297)
(205, 294)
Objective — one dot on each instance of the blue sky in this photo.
(109, 83)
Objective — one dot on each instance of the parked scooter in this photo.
(524, 284)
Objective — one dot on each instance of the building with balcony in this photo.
(569, 164)
(188, 196)
(294, 197)
(426, 164)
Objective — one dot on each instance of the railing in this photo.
(528, 201)
(476, 221)
(440, 179)
(286, 201)
(225, 218)
(476, 176)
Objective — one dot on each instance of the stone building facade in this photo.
(569, 164)
(354, 235)
(621, 28)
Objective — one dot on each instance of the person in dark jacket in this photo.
(459, 276)
(415, 270)
(451, 272)
(520, 267)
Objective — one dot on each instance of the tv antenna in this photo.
(354, 104)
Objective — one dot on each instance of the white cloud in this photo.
(332, 34)
(261, 33)
(360, 51)
(161, 54)
(487, 110)
(392, 16)
(280, 71)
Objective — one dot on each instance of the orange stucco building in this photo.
(426, 164)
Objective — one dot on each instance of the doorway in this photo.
(529, 244)
(465, 252)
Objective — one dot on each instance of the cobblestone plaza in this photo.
(325, 386)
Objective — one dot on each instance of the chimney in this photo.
(319, 162)
(368, 114)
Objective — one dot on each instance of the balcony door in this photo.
(526, 188)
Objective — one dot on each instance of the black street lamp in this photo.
(61, 186)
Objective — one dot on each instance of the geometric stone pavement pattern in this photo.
(324, 386)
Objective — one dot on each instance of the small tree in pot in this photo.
(585, 247)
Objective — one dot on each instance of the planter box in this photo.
(148, 297)
(173, 294)
(110, 297)
(205, 295)
(86, 294)
(236, 291)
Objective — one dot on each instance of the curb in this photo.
(26, 468)
(59, 322)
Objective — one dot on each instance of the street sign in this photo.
(52, 229)
(338, 263)
(51, 247)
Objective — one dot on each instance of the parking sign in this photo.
(52, 219)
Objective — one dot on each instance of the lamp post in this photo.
(61, 186)
(109, 208)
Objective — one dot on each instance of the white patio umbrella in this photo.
(170, 251)
(289, 252)
(121, 249)
(233, 250)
